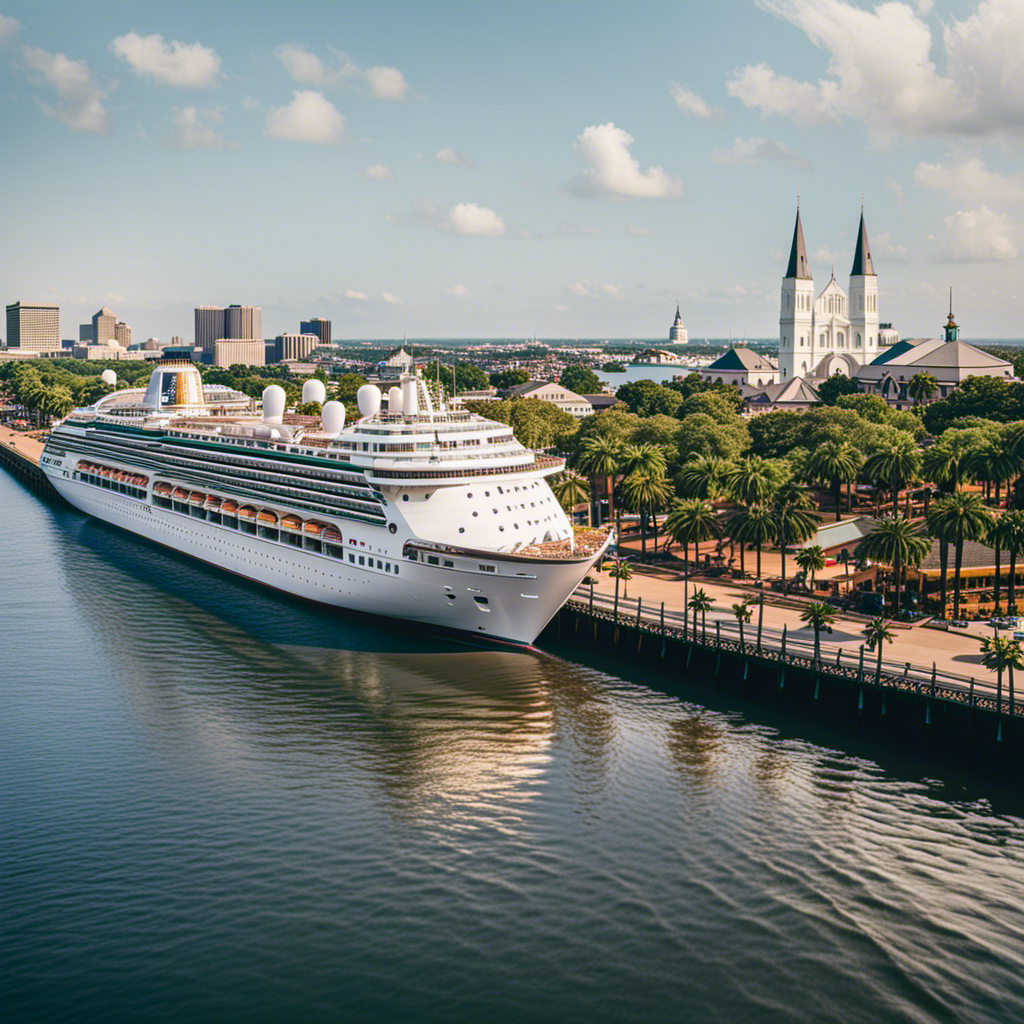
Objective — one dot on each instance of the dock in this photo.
(20, 455)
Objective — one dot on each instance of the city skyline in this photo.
(534, 170)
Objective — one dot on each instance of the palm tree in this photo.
(691, 521)
(701, 602)
(601, 456)
(833, 464)
(751, 480)
(811, 560)
(948, 463)
(742, 612)
(641, 458)
(958, 517)
(794, 521)
(818, 614)
(922, 386)
(1001, 653)
(877, 633)
(704, 477)
(1013, 542)
(1001, 536)
(896, 542)
(645, 493)
(572, 489)
(622, 571)
(994, 463)
(754, 524)
(896, 461)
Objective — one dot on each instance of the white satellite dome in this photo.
(368, 397)
(333, 417)
(313, 391)
(108, 377)
(273, 403)
(395, 401)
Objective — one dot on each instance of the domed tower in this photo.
(796, 318)
(863, 299)
(175, 385)
(678, 334)
(952, 331)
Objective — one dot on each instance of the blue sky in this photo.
(561, 169)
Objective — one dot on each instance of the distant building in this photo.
(656, 357)
(177, 340)
(106, 350)
(103, 326)
(290, 347)
(151, 345)
(742, 366)
(318, 326)
(85, 334)
(123, 333)
(246, 351)
(243, 322)
(34, 326)
(678, 334)
(793, 395)
(234, 323)
(569, 401)
(395, 364)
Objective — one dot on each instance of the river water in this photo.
(219, 805)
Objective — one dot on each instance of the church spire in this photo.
(862, 257)
(798, 265)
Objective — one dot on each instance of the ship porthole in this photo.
(392, 528)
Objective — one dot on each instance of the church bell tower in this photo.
(863, 300)
(796, 316)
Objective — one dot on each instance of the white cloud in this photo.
(897, 192)
(614, 173)
(250, 103)
(587, 289)
(306, 67)
(190, 65)
(8, 28)
(387, 83)
(970, 180)
(471, 219)
(639, 230)
(193, 131)
(756, 149)
(360, 296)
(378, 172)
(880, 70)
(453, 156)
(81, 99)
(458, 290)
(391, 299)
(689, 102)
(613, 291)
(310, 117)
(978, 236)
(885, 246)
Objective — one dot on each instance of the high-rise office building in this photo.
(123, 333)
(209, 326)
(34, 326)
(215, 323)
(103, 324)
(318, 326)
(295, 346)
(85, 333)
(246, 351)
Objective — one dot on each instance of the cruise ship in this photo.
(418, 510)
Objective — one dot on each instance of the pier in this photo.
(20, 456)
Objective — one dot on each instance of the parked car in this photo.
(1018, 634)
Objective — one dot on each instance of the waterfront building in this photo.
(678, 334)
(837, 332)
(244, 351)
(318, 326)
(742, 366)
(34, 326)
(656, 357)
(977, 580)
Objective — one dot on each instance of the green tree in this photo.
(818, 614)
(509, 379)
(752, 524)
(621, 571)
(956, 518)
(1001, 654)
(897, 461)
(742, 612)
(832, 388)
(571, 489)
(922, 386)
(832, 464)
(701, 602)
(811, 560)
(870, 407)
(751, 479)
(691, 521)
(878, 634)
(613, 366)
(310, 409)
(703, 435)
(1006, 533)
(601, 456)
(580, 379)
(704, 477)
(898, 543)
(645, 492)
(647, 398)
(795, 521)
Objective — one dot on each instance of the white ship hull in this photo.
(520, 597)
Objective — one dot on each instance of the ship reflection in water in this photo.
(219, 804)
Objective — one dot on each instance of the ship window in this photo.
(405, 497)
(387, 567)
(396, 570)
(462, 529)
(362, 560)
(433, 560)
(352, 559)
(380, 564)
(448, 564)
(488, 568)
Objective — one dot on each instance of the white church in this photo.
(837, 332)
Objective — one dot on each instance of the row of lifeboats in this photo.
(121, 476)
(263, 516)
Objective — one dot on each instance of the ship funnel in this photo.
(410, 397)
(368, 398)
(314, 391)
(333, 418)
(395, 401)
(273, 403)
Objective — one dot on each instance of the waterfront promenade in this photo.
(21, 444)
